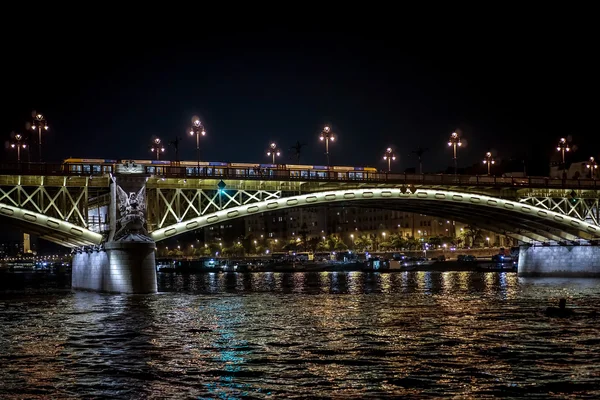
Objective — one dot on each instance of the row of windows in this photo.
(90, 169)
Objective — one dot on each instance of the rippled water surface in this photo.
(302, 335)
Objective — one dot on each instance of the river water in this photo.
(301, 335)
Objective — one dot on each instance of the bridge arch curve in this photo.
(528, 221)
(48, 228)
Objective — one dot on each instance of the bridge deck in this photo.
(309, 175)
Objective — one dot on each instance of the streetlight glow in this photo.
(389, 156)
(455, 141)
(327, 136)
(273, 151)
(592, 165)
(198, 130)
(489, 160)
(157, 147)
(39, 122)
(563, 147)
(18, 144)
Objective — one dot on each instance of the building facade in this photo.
(351, 222)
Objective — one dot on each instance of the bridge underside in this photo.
(51, 229)
(491, 220)
(518, 220)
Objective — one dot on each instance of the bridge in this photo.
(78, 209)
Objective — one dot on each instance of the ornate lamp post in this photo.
(489, 160)
(563, 147)
(389, 156)
(39, 123)
(157, 147)
(273, 151)
(327, 135)
(592, 165)
(197, 129)
(18, 144)
(454, 142)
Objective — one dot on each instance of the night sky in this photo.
(106, 98)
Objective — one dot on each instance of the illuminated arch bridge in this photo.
(74, 210)
(520, 220)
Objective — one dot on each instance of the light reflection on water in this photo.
(273, 335)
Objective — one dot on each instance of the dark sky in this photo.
(514, 94)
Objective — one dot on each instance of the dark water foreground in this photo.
(301, 335)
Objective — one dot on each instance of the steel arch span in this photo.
(48, 228)
(525, 221)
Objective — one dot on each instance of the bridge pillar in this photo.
(559, 261)
(126, 263)
(122, 267)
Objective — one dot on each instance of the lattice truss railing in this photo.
(68, 203)
(169, 206)
(585, 209)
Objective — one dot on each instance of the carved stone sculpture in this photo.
(132, 211)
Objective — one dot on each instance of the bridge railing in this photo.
(379, 177)
(47, 169)
(331, 175)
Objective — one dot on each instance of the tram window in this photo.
(96, 169)
(218, 171)
(294, 173)
(107, 169)
(75, 168)
(86, 169)
(304, 174)
(189, 171)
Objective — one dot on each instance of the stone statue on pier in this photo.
(132, 210)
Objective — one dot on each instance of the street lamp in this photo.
(389, 156)
(157, 147)
(273, 151)
(327, 135)
(489, 160)
(39, 122)
(197, 129)
(455, 141)
(17, 144)
(592, 165)
(563, 147)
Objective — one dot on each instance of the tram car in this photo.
(93, 166)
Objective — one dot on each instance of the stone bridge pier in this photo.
(126, 262)
(581, 261)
